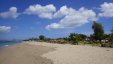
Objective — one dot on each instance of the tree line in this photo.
(98, 37)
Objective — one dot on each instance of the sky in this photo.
(22, 19)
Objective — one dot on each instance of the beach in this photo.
(24, 54)
(49, 53)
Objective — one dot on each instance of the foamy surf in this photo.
(6, 45)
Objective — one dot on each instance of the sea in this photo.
(8, 43)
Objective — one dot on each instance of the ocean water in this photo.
(7, 43)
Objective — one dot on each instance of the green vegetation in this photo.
(75, 38)
(98, 38)
(111, 36)
(98, 31)
(42, 37)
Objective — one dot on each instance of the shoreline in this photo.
(24, 53)
(32, 52)
(10, 43)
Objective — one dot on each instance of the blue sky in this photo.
(22, 19)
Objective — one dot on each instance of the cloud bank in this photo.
(41, 11)
(72, 18)
(69, 17)
(12, 13)
(5, 28)
(106, 10)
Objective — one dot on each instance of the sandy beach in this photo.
(78, 54)
(24, 54)
(48, 53)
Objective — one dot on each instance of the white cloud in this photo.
(41, 11)
(53, 26)
(5, 28)
(72, 18)
(106, 9)
(64, 10)
(12, 13)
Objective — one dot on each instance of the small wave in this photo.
(6, 45)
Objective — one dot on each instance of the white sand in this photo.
(78, 54)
